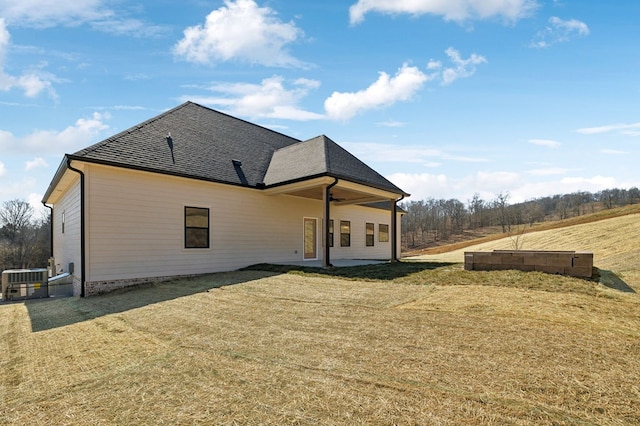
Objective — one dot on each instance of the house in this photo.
(195, 191)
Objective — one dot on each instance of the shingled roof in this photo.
(321, 156)
(200, 143)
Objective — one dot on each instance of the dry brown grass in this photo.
(427, 346)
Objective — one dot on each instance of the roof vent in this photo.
(170, 144)
(237, 163)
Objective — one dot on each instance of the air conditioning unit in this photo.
(19, 284)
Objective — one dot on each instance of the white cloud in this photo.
(35, 200)
(3, 169)
(35, 163)
(407, 82)
(72, 137)
(425, 185)
(46, 13)
(389, 153)
(4, 40)
(385, 91)
(559, 31)
(269, 99)
(379, 152)
(391, 123)
(632, 129)
(450, 10)
(496, 181)
(43, 142)
(16, 187)
(422, 186)
(602, 182)
(129, 27)
(550, 171)
(613, 152)
(242, 31)
(32, 83)
(545, 142)
(462, 67)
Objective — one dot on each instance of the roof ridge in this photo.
(242, 119)
(327, 157)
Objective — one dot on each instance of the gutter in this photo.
(326, 262)
(82, 228)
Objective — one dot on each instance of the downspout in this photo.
(326, 261)
(82, 226)
(50, 228)
(394, 228)
(53, 270)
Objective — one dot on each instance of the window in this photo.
(345, 233)
(331, 233)
(369, 234)
(383, 233)
(63, 220)
(196, 227)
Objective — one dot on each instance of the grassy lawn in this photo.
(413, 343)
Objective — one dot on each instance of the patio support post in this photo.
(326, 199)
(394, 229)
(394, 225)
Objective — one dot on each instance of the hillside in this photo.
(482, 235)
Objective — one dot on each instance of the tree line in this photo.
(431, 220)
(24, 238)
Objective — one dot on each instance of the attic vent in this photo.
(169, 139)
(237, 163)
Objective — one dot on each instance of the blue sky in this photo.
(444, 98)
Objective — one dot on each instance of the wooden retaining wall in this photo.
(577, 264)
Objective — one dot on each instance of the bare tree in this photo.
(517, 238)
(17, 235)
(500, 204)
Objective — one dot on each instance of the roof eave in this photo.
(397, 191)
(62, 168)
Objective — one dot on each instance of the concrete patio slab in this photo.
(337, 263)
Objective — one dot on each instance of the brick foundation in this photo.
(94, 288)
(576, 264)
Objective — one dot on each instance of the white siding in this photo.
(66, 246)
(359, 216)
(136, 226)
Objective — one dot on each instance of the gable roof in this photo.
(209, 145)
(321, 156)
